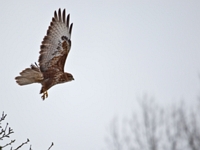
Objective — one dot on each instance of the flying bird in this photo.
(54, 50)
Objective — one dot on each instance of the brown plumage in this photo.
(53, 53)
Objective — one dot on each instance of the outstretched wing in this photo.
(56, 44)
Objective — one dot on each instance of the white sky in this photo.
(120, 51)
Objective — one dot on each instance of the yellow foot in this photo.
(45, 95)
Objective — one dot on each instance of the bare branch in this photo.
(12, 141)
(5, 132)
(3, 117)
(156, 128)
(22, 144)
(114, 142)
(50, 146)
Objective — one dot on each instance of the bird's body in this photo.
(54, 51)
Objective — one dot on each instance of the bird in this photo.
(54, 50)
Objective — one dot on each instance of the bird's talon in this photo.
(45, 95)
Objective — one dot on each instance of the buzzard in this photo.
(53, 53)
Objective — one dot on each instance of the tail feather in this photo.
(30, 75)
(24, 81)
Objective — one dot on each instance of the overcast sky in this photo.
(121, 50)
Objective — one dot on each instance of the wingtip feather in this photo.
(59, 14)
(64, 18)
(70, 29)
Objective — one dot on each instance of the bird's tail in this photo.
(30, 75)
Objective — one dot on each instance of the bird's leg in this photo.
(45, 95)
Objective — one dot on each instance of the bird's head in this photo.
(69, 77)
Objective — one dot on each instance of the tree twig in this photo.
(22, 144)
(50, 146)
(3, 117)
(12, 141)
